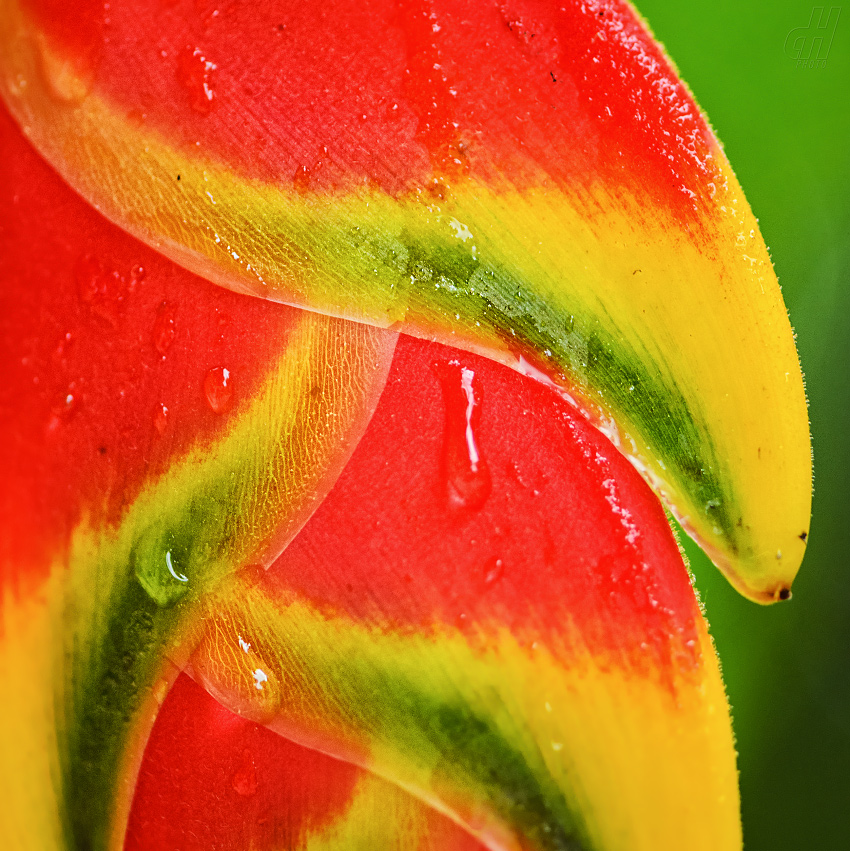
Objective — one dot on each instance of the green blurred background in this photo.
(786, 130)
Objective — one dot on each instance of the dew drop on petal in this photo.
(103, 291)
(236, 671)
(162, 565)
(218, 389)
(163, 328)
(137, 275)
(66, 407)
(63, 348)
(244, 781)
(493, 571)
(70, 401)
(170, 562)
(160, 418)
(195, 74)
(67, 82)
(467, 477)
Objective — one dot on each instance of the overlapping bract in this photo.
(422, 628)
(534, 661)
(145, 458)
(527, 179)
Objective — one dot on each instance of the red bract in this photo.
(319, 94)
(487, 578)
(108, 352)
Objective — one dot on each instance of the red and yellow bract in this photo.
(387, 550)
(557, 604)
(530, 180)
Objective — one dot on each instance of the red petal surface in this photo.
(554, 524)
(522, 179)
(343, 93)
(478, 499)
(212, 779)
(143, 410)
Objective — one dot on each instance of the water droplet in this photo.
(301, 178)
(137, 275)
(493, 571)
(158, 563)
(466, 473)
(169, 563)
(304, 175)
(163, 328)
(195, 74)
(67, 82)
(218, 389)
(71, 402)
(63, 348)
(160, 418)
(244, 781)
(232, 664)
(102, 290)
(210, 18)
(66, 406)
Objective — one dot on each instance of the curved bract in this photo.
(526, 180)
(527, 657)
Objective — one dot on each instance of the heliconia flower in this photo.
(530, 180)
(422, 601)
(487, 618)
